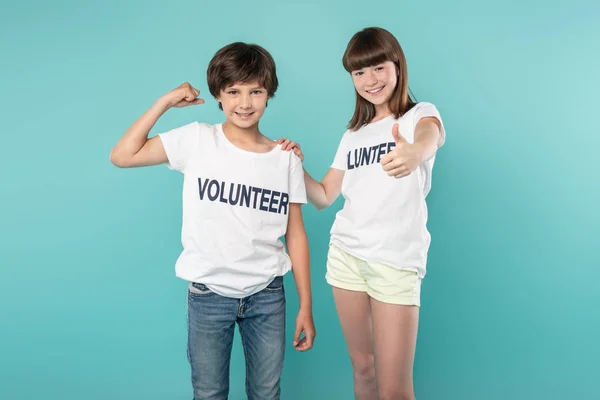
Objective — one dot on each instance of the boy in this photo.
(241, 193)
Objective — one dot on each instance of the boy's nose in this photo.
(245, 102)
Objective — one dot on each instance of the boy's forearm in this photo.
(136, 136)
(297, 244)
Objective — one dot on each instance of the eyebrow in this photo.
(235, 87)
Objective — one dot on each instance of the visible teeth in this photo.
(374, 90)
(244, 115)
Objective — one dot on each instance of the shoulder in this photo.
(203, 127)
(423, 107)
(424, 110)
(349, 135)
(283, 160)
(205, 133)
(288, 155)
(194, 127)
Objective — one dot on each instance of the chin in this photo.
(243, 124)
(375, 99)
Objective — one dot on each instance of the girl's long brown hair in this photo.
(370, 47)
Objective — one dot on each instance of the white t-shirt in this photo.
(235, 209)
(383, 219)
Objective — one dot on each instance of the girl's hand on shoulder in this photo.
(288, 145)
(404, 159)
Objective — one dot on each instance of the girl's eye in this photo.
(378, 68)
(358, 73)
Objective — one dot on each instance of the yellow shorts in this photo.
(381, 282)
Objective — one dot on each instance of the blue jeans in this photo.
(211, 324)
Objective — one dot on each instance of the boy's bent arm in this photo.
(323, 194)
(297, 244)
(134, 149)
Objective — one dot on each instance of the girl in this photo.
(379, 240)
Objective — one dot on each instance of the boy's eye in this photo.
(358, 73)
(256, 91)
(379, 68)
(232, 92)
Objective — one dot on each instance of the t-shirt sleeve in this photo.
(179, 144)
(423, 110)
(339, 161)
(297, 185)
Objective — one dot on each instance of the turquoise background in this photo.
(89, 305)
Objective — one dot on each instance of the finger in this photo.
(280, 140)
(304, 345)
(189, 96)
(403, 173)
(301, 345)
(392, 165)
(289, 145)
(286, 144)
(389, 157)
(386, 159)
(297, 335)
(398, 138)
(397, 171)
(299, 153)
(185, 103)
(310, 340)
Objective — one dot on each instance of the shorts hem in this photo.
(399, 300)
(346, 286)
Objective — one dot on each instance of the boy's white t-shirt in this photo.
(384, 219)
(235, 209)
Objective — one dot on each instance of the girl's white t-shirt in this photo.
(235, 209)
(384, 219)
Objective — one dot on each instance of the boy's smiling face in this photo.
(244, 103)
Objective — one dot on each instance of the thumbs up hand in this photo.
(404, 159)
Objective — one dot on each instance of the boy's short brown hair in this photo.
(241, 62)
